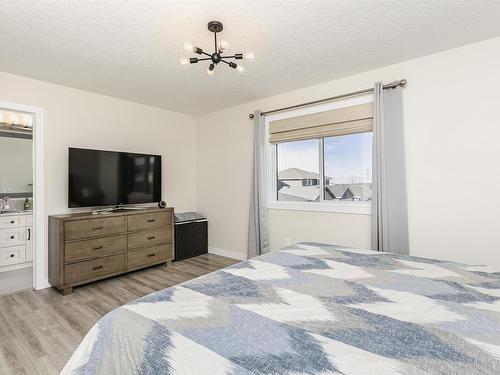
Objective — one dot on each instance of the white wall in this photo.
(83, 119)
(453, 174)
(451, 137)
(16, 166)
(290, 226)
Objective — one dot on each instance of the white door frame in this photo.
(40, 255)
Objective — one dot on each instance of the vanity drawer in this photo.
(13, 221)
(150, 220)
(12, 237)
(12, 255)
(150, 238)
(149, 256)
(88, 249)
(91, 269)
(74, 230)
(29, 253)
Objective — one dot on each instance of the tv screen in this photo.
(101, 178)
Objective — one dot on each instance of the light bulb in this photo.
(249, 56)
(211, 69)
(28, 121)
(223, 45)
(239, 68)
(189, 47)
(184, 61)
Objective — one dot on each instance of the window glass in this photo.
(298, 171)
(348, 167)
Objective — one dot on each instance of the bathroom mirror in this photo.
(16, 166)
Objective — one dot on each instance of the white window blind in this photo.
(340, 121)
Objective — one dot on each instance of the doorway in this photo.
(22, 128)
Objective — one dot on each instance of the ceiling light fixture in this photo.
(216, 57)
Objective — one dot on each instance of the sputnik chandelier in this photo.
(216, 57)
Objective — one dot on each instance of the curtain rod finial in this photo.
(251, 115)
(403, 82)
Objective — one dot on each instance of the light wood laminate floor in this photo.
(39, 330)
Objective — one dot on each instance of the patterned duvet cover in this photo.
(308, 309)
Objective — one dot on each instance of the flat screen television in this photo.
(102, 178)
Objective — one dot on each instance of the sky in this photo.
(348, 158)
(301, 154)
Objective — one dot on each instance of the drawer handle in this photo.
(12, 255)
(29, 234)
(151, 255)
(12, 221)
(97, 228)
(151, 220)
(151, 238)
(97, 248)
(11, 237)
(96, 268)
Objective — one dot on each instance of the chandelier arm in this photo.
(215, 57)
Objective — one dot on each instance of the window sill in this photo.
(361, 208)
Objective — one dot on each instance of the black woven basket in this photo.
(191, 239)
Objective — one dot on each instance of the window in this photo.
(342, 163)
(348, 167)
(320, 158)
(298, 171)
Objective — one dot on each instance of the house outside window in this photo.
(298, 171)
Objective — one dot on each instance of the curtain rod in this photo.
(391, 85)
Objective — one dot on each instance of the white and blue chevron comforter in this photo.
(308, 309)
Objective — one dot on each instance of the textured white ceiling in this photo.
(131, 49)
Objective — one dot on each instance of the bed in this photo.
(308, 309)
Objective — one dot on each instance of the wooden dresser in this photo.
(85, 247)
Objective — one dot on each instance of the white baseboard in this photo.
(14, 267)
(227, 253)
(45, 285)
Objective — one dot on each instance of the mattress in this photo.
(308, 309)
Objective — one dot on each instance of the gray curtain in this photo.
(258, 239)
(389, 204)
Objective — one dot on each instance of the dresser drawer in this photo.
(74, 230)
(150, 238)
(150, 220)
(88, 249)
(12, 237)
(14, 221)
(12, 255)
(149, 256)
(90, 269)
